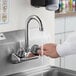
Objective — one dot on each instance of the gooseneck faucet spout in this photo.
(30, 18)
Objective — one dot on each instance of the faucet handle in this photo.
(21, 53)
(34, 49)
(15, 59)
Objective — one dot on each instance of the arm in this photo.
(65, 49)
(49, 50)
(68, 47)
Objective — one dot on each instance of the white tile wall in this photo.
(70, 24)
(59, 25)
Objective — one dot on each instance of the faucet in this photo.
(30, 18)
(20, 55)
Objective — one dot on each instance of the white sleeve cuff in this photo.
(59, 50)
(64, 49)
(68, 47)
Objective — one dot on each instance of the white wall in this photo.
(20, 10)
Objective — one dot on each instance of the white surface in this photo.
(65, 24)
(39, 37)
(70, 24)
(59, 25)
(68, 47)
(70, 61)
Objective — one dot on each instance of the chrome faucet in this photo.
(30, 18)
(21, 54)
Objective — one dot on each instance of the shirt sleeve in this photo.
(68, 47)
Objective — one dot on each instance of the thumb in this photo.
(40, 52)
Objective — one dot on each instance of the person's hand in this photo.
(49, 50)
(30, 55)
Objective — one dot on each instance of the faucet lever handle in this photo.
(21, 53)
(15, 59)
(34, 49)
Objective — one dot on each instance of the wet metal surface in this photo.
(54, 71)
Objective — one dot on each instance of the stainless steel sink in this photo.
(53, 71)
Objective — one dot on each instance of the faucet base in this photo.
(15, 59)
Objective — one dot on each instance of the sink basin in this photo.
(53, 71)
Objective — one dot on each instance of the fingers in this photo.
(39, 52)
(30, 55)
(42, 52)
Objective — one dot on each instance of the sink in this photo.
(52, 71)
